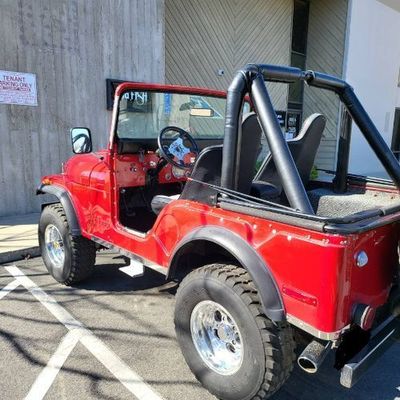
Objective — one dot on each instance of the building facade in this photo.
(72, 46)
(372, 66)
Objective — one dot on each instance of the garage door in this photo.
(208, 40)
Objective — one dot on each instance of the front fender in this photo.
(247, 257)
(64, 198)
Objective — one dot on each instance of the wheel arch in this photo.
(61, 195)
(231, 248)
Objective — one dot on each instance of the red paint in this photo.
(297, 295)
(316, 273)
(130, 170)
(168, 88)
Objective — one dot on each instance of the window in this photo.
(143, 114)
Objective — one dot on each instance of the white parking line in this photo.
(130, 379)
(48, 375)
(8, 289)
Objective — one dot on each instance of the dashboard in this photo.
(133, 170)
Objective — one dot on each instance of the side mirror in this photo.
(81, 140)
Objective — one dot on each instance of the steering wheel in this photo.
(173, 148)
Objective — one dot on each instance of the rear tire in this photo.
(69, 259)
(257, 354)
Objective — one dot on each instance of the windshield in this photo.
(143, 114)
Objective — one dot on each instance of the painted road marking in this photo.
(130, 379)
(9, 288)
(134, 269)
(48, 375)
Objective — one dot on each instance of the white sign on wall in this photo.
(18, 88)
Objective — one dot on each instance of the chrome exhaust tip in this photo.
(313, 356)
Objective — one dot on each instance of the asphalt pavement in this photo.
(112, 337)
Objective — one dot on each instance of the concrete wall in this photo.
(72, 46)
(372, 68)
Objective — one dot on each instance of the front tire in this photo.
(232, 348)
(69, 259)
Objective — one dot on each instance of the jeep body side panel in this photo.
(87, 178)
(247, 257)
(315, 272)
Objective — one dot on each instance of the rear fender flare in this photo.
(62, 196)
(247, 257)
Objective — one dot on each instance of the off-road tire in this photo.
(268, 347)
(80, 253)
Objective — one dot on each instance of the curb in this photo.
(18, 255)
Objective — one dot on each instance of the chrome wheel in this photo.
(54, 245)
(216, 337)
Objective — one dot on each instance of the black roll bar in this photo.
(251, 80)
(343, 156)
(371, 134)
(285, 165)
(233, 129)
(276, 73)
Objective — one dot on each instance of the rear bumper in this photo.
(383, 336)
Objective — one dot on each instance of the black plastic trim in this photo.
(361, 226)
(272, 216)
(65, 200)
(247, 257)
(355, 223)
(349, 219)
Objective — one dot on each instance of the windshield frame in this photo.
(153, 87)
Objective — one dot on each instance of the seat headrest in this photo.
(313, 122)
(250, 121)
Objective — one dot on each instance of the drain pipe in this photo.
(313, 356)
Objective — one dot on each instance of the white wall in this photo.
(372, 68)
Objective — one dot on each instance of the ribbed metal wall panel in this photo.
(204, 36)
(325, 53)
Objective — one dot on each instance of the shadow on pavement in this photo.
(108, 278)
(379, 383)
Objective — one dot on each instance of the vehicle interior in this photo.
(158, 138)
(164, 138)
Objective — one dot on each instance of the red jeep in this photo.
(201, 186)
